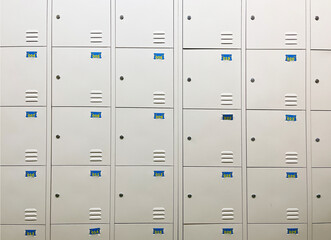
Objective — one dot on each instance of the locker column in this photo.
(320, 83)
(276, 121)
(212, 173)
(144, 81)
(80, 198)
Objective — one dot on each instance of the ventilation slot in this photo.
(31, 96)
(31, 155)
(226, 99)
(30, 214)
(32, 36)
(96, 155)
(96, 36)
(158, 213)
(159, 156)
(291, 158)
(227, 214)
(159, 98)
(291, 100)
(227, 38)
(159, 37)
(227, 157)
(292, 214)
(95, 213)
(96, 96)
(291, 38)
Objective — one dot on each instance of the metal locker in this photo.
(23, 136)
(144, 78)
(23, 23)
(144, 231)
(321, 231)
(80, 194)
(276, 139)
(212, 195)
(320, 19)
(23, 191)
(81, 136)
(282, 198)
(219, 147)
(81, 77)
(321, 179)
(213, 231)
(212, 79)
(144, 136)
(92, 17)
(212, 24)
(23, 76)
(277, 231)
(22, 232)
(320, 80)
(156, 17)
(80, 232)
(280, 83)
(144, 194)
(276, 24)
(321, 138)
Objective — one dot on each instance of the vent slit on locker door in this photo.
(291, 38)
(31, 155)
(292, 213)
(227, 214)
(159, 155)
(226, 99)
(31, 96)
(227, 38)
(95, 155)
(291, 100)
(159, 98)
(96, 36)
(96, 96)
(227, 157)
(30, 214)
(158, 213)
(31, 36)
(291, 158)
(95, 214)
(159, 37)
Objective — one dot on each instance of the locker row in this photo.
(81, 136)
(81, 195)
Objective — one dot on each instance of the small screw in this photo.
(121, 137)
(253, 17)
(252, 80)
(253, 196)
(189, 79)
(121, 78)
(58, 17)
(121, 17)
(253, 139)
(189, 17)
(189, 138)
(58, 77)
(58, 136)
(189, 195)
(317, 18)
(121, 195)
(57, 195)
(317, 140)
(317, 81)
(318, 196)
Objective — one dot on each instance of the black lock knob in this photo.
(317, 18)
(189, 79)
(317, 81)
(121, 17)
(317, 140)
(252, 80)
(189, 17)
(121, 195)
(189, 138)
(122, 137)
(318, 196)
(253, 139)
(121, 78)
(58, 136)
(189, 195)
(253, 195)
(58, 77)
(58, 16)
(253, 17)
(57, 195)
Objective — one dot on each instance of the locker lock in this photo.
(189, 138)
(189, 195)
(252, 80)
(253, 17)
(57, 195)
(121, 17)
(58, 77)
(189, 79)
(253, 139)
(317, 81)
(122, 137)
(317, 140)
(121, 78)
(189, 17)
(121, 195)
(253, 195)
(58, 17)
(318, 196)
(317, 18)
(58, 136)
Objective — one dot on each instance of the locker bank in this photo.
(165, 120)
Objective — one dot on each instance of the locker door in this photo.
(144, 137)
(22, 232)
(23, 136)
(320, 80)
(153, 18)
(23, 192)
(277, 231)
(277, 195)
(144, 231)
(80, 232)
(93, 18)
(212, 79)
(23, 76)
(212, 138)
(80, 194)
(81, 77)
(321, 138)
(144, 78)
(23, 23)
(212, 24)
(321, 231)
(144, 195)
(212, 195)
(213, 231)
(320, 19)
(81, 136)
(321, 195)
(276, 139)
(276, 24)
(280, 83)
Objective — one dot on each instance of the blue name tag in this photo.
(291, 58)
(94, 231)
(96, 55)
(158, 56)
(31, 54)
(95, 173)
(228, 231)
(30, 233)
(291, 175)
(158, 231)
(32, 174)
(158, 115)
(158, 173)
(226, 57)
(292, 231)
(227, 117)
(291, 118)
(227, 174)
(31, 114)
(95, 114)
